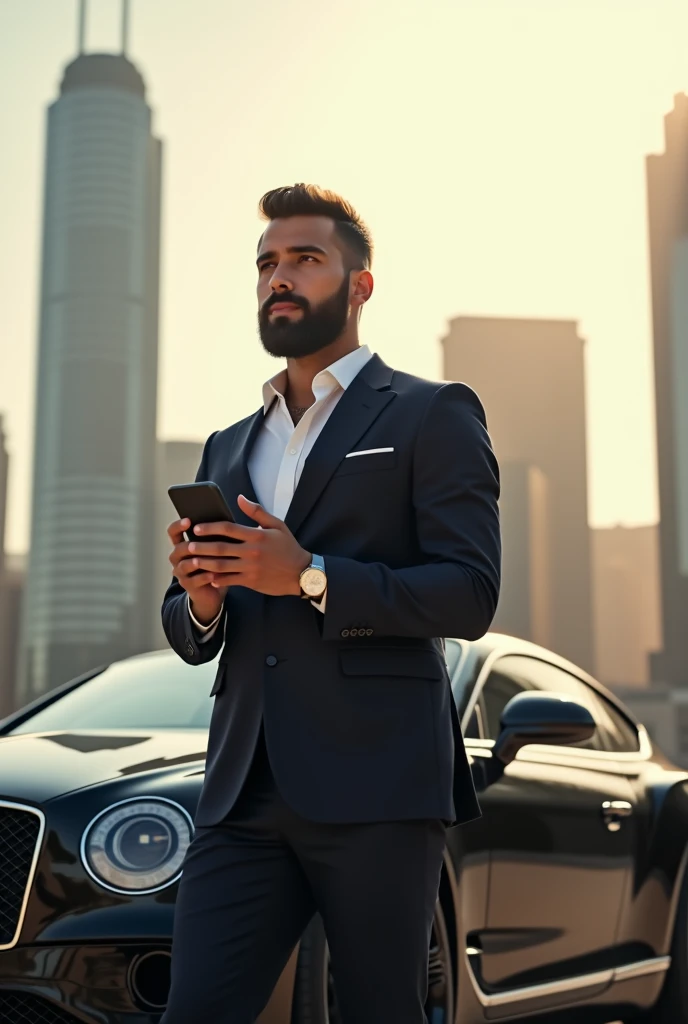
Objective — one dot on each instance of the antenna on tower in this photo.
(82, 25)
(125, 25)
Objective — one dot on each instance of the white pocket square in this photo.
(368, 451)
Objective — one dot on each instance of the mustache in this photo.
(274, 300)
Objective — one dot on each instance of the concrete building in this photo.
(626, 603)
(525, 600)
(178, 463)
(12, 583)
(529, 375)
(91, 569)
(4, 483)
(667, 192)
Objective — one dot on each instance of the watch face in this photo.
(313, 582)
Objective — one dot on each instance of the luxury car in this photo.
(566, 902)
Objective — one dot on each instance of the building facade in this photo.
(91, 567)
(529, 375)
(626, 603)
(667, 194)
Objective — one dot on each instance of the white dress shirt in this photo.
(281, 448)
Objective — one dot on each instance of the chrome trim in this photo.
(639, 969)
(32, 870)
(111, 807)
(642, 968)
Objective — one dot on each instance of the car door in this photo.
(561, 856)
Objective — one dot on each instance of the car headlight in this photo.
(137, 846)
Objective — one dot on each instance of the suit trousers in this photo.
(252, 883)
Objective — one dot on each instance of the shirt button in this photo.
(292, 451)
(271, 660)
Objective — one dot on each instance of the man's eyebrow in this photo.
(292, 249)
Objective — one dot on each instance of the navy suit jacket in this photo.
(359, 719)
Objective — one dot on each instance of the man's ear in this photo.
(363, 288)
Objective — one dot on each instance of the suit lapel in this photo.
(239, 480)
(354, 414)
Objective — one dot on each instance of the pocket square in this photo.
(368, 451)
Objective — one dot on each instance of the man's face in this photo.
(303, 287)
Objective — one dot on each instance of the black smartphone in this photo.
(202, 502)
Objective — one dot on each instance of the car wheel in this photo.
(315, 999)
(673, 1001)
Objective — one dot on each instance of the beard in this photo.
(317, 328)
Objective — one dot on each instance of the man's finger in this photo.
(257, 512)
(175, 530)
(220, 566)
(217, 549)
(224, 529)
(178, 552)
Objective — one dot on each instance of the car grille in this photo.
(20, 832)
(18, 1008)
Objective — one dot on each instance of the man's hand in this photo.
(269, 559)
(206, 597)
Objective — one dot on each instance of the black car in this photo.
(566, 902)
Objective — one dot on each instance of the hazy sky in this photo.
(495, 147)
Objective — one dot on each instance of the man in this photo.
(367, 526)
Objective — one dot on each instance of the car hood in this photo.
(39, 766)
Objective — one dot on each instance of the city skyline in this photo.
(478, 243)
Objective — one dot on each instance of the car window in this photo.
(620, 733)
(155, 691)
(514, 674)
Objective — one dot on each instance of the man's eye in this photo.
(305, 256)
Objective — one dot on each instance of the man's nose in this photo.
(280, 282)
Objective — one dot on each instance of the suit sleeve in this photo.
(454, 592)
(181, 634)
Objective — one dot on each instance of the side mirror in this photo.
(535, 717)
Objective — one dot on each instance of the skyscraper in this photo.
(90, 575)
(530, 377)
(667, 193)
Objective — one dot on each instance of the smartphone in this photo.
(201, 502)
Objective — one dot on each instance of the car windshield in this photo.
(153, 691)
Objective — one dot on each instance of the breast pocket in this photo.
(369, 462)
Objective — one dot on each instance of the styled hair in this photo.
(303, 200)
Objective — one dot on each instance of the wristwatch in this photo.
(313, 579)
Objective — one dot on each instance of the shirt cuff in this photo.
(206, 631)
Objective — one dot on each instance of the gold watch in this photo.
(313, 579)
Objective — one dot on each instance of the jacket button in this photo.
(271, 660)
(353, 632)
(369, 632)
(344, 632)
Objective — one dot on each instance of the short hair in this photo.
(303, 200)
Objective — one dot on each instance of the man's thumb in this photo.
(257, 512)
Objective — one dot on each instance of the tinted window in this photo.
(156, 691)
(620, 734)
(514, 674)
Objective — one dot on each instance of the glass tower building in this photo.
(91, 567)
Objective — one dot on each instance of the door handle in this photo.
(614, 811)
